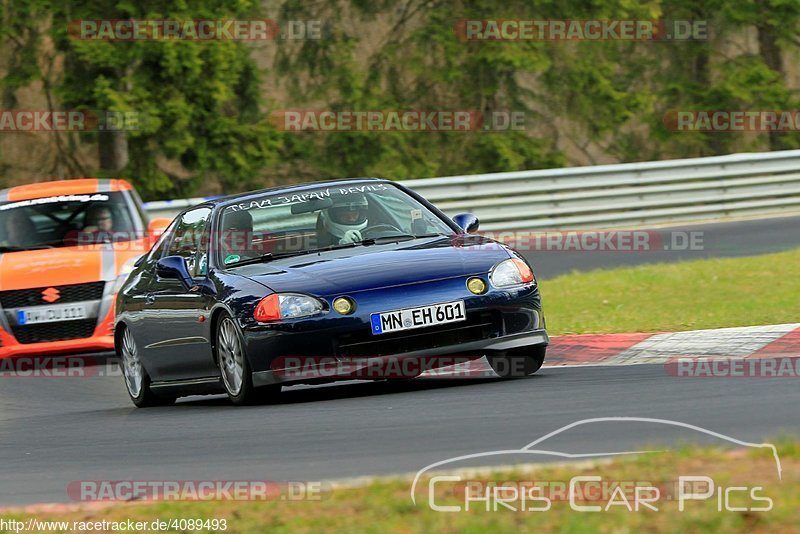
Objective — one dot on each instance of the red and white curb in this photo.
(632, 349)
(720, 344)
(725, 342)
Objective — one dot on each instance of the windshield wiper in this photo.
(250, 261)
(265, 257)
(269, 256)
(421, 236)
(391, 238)
(397, 237)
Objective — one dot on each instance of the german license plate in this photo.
(410, 318)
(51, 314)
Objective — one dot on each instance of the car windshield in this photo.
(65, 220)
(283, 223)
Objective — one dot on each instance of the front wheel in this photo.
(518, 363)
(137, 381)
(237, 377)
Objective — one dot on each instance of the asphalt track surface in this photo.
(57, 430)
(54, 431)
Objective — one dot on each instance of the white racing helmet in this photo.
(348, 213)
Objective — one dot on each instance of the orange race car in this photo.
(65, 249)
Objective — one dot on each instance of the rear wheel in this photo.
(518, 363)
(234, 368)
(137, 381)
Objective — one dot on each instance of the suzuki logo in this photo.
(51, 294)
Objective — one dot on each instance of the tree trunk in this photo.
(702, 76)
(113, 148)
(770, 53)
(769, 50)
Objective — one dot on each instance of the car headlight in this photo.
(512, 272)
(124, 271)
(286, 306)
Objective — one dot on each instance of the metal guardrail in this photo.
(607, 196)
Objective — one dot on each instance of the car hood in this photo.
(375, 266)
(64, 266)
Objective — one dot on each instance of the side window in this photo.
(160, 247)
(188, 237)
(202, 252)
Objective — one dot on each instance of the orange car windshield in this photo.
(65, 220)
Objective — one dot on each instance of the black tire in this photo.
(242, 392)
(141, 396)
(518, 363)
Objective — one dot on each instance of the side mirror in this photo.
(174, 268)
(156, 227)
(467, 222)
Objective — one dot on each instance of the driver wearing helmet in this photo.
(344, 220)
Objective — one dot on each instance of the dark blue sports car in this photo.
(312, 283)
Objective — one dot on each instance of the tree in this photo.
(196, 103)
(419, 64)
(777, 24)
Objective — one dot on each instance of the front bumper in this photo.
(69, 346)
(494, 314)
(497, 321)
(101, 340)
(326, 369)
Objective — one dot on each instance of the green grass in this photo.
(672, 297)
(385, 505)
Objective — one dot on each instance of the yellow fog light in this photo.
(476, 285)
(343, 305)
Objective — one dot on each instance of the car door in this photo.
(178, 345)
